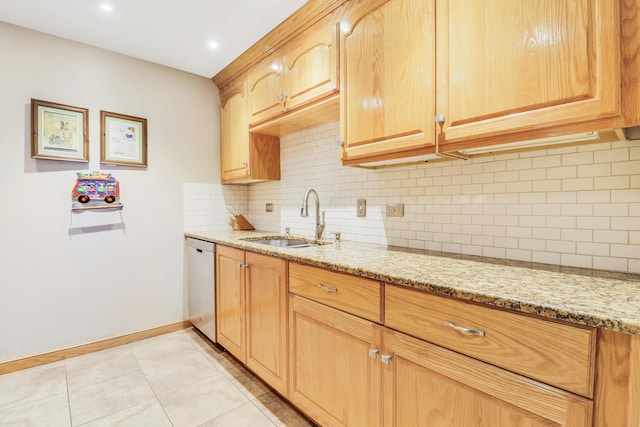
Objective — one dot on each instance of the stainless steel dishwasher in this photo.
(202, 305)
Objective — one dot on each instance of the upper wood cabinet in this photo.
(523, 69)
(305, 70)
(388, 81)
(234, 133)
(244, 157)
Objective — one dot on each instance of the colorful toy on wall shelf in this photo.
(95, 190)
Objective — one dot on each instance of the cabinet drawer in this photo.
(556, 353)
(353, 294)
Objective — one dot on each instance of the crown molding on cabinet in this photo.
(302, 19)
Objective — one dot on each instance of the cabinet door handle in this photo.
(452, 325)
(283, 99)
(386, 359)
(373, 353)
(327, 288)
(243, 266)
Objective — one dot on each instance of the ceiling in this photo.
(175, 34)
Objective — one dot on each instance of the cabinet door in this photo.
(333, 379)
(388, 77)
(266, 304)
(509, 66)
(428, 386)
(311, 65)
(234, 134)
(266, 88)
(230, 297)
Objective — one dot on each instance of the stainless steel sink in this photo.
(285, 242)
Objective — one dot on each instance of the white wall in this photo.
(69, 279)
(575, 206)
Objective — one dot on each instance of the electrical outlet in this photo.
(269, 207)
(362, 208)
(395, 209)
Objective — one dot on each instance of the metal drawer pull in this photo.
(477, 332)
(386, 359)
(373, 353)
(327, 288)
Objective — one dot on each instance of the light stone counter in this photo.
(594, 298)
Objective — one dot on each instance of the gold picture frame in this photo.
(123, 139)
(59, 132)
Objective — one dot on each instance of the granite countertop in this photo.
(588, 297)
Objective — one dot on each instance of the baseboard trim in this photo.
(55, 356)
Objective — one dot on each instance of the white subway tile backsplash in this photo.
(577, 235)
(546, 257)
(580, 158)
(542, 159)
(577, 209)
(612, 182)
(611, 209)
(547, 233)
(625, 251)
(599, 170)
(611, 263)
(572, 206)
(594, 223)
(626, 196)
(612, 155)
(578, 184)
(587, 248)
(565, 172)
(546, 185)
(581, 261)
(519, 255)
(610, 236)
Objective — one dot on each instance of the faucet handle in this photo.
(337, 235)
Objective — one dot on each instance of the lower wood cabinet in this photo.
(332, 377)
(251, 299)
(428, 386)
(303, 330)
(230, 301)
(347, 371)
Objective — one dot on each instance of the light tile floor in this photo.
(177, 379)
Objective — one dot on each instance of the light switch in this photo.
(362, 208)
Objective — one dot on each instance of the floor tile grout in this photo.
(114, 364)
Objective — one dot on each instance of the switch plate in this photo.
(269, 207)
(361, 208)
(395, 209)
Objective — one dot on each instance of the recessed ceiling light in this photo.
(213, 45)
(106, 7)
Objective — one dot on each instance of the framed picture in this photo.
(59, 132)
(123, 139)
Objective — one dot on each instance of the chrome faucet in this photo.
(304, 212)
